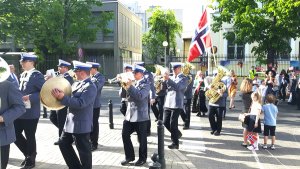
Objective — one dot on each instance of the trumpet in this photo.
(113, 80)
(122, 78)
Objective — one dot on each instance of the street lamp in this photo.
(165, 44)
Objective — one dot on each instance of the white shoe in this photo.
(251, 147)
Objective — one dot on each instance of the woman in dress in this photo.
(232, 88)
(246, 91)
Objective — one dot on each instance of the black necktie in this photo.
(23, 81)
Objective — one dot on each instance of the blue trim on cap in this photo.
(28, 58)
(95, 66)
(63, 64)
(138, 70)
(128, 67)
(176, 66)
(81, 68)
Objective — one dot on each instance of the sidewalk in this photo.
(110, 151)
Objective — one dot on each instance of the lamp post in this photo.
(165, 44)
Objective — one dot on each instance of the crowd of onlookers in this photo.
(260, 93)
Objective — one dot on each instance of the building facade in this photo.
(122, 45)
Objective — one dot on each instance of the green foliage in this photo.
(163, 27)
(54, 27)
(150, 68)
(270, 25)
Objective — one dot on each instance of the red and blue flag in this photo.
(201, 39)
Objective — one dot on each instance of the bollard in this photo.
(161, 144)
(158, 158)
(44, 112)
(111, 120)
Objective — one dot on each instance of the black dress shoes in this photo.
(140, 162)
(173, 146)
(217, 133)
(28, 164)
(126, 162)
(57, 142)
(23, 163)
(212, 132)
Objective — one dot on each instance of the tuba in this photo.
(46, 97)
(216, 85)
(4, 70)
(187, 69)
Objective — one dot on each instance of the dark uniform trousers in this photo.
(170, 121)
(26, 145)
(158, 112)
(95, 131)
(83, 145)
(58, 118)
(186, 114)
(215, 117)
(141, 130)
(4, 155)
(123, 107)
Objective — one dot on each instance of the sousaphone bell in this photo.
(47, 99)
(4, 70)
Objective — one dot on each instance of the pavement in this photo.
(198, 149)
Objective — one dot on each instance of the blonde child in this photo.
(254, 125)
(270, 114)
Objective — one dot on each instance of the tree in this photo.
(163, 27)
(54, 27)
(269, 23)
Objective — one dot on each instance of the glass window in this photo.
(234, 50)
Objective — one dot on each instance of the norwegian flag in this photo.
(251, 138)
(201, 39)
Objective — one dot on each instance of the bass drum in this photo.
(47, 99)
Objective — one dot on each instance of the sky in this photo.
(192, 9)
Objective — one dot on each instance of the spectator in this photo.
(246, 91)
(254, 125)
(270, 114)
(232, 88)
(252, 72)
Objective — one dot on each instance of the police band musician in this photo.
(79, 120)
(151, 99)
(122, 92)
(98, 79)
(31, 82)
(176, 86)
(58, 117)
(11, 108)
(136, 117)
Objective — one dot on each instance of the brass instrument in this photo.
(187, 69)
(158, 79)
(122, 78)
(212, 93)
(47, 99)
(4, 70)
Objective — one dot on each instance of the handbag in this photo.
(243, 118)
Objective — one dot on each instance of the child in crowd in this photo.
(254, 125)
(270, 114)
(262, 90)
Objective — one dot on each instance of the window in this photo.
(235, 50)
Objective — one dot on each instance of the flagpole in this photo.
(212, 50)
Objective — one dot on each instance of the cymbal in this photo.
(47, 99)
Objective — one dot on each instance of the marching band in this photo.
(168, 94)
